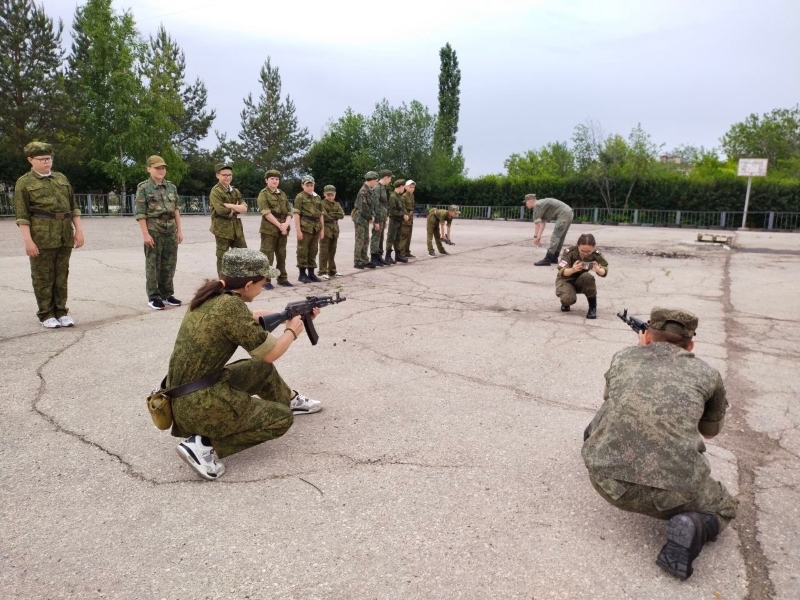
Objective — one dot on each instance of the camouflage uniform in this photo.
(361, 217)
(406, 227)
(225, 223)
(309, 207)
(47, 205)
(158, 203)
(381, 210)
(396, 212)
(436, 216)
(333, 213)
(568, 288)
(227, 412)
(273, 244)
(642, 449)
(550, 209)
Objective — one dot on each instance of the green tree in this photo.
(31, 81)
(774, 135)
(270, 136)
(401, 138)
(447, 160)
(552, 160)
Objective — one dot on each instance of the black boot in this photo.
(358, 266)
(399, 257)
(548, 259)
(592, 314)
(303, 277)
(388, 258)
(564, 308)
(687, 533)
(311, 277)
(369, 265)
(375, 259)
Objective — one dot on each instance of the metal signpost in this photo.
(751, 167)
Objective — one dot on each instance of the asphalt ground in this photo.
(446, 463)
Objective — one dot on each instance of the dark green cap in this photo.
(371, 175)
(385, 173)
(272, 173)
(329, 189)
(222, 165)
(38, 149)
(247, 262)
(399, 182)
(675, 320)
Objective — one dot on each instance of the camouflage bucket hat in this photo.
(370, 176)
(455, 209)
(38, 149)
(247, 262)
(222, 165)
(307, 179)
(529, 197)
(329, 189)
(156, 161)
(675, 320)
(272, 173)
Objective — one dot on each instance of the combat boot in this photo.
(388, 258)
(548, 259)
(375, 260)
(400, 258)
(369, 265)
(592, 314)
(564, 308)
(303, 277)
(687, 533)
(311, 277)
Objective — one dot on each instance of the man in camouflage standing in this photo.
(397, 216)
(276, 221)
(309, 228)
(408, 224)
(332, 214)
(644, 450)
(226, 206)
(549, 209)
(160, 221)
(50, 224)
(363, 218)
(381, 193)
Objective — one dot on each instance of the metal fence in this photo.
(105, 205)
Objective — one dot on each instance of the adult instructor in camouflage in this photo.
(549, 209)
(50, 224)
(363, 218)
(381, 209)
(226, 206)
(160, 221)
(644, 450)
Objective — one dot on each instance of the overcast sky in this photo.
(531, 70)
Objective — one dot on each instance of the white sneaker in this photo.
(51, 323)
(338, 275)
(302, 405)
(200, 457)
(325, 277)
(66, 321)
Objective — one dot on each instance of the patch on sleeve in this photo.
(563, 263)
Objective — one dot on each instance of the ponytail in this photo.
(212, 288)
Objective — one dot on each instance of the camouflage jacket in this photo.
(408, 203)
(550, 209)
(646, 432)
(225, 222)
(309, 207)
(332, 214)
(276, 203)
(381, 202)
(52, 195)
(154, 200)
(440, 215)
(396, 207)
(571, 254)
(364, 205)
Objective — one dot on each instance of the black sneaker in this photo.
(409, 255)
(268, 286)
(156, 304)
(172, 301)
(564, 308)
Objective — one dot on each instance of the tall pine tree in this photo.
(447, 160)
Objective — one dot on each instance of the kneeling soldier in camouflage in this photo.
(575, 274)
(643, 448)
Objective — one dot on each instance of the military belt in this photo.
(164, 217)
(330, 220)
(277, 216)
(307, 218)
(56, 216)
(192, 386)
(233, 215)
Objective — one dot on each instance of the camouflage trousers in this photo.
(274, 246)
(393, 235)
(230, 415)
(327, 254)
(559, 233)
(434, 234)
(361, 249)
(709, 497)
(160, 262)
(307, 249)
(376, 241)
(49, 273)
(223, 245)
(405, 236)
(568, 289)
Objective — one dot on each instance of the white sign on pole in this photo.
(753, 167)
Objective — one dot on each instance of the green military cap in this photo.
(329, 189)
(385, 173)
(370, 176)
(222, 165)
(675, 320)
(156, 161)
(38, 149)
(529, 197)
(272, 173)
(247, 262)
(455, 209)
(399, 182)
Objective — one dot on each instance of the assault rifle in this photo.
(303, 309)
(636, 324)
(446, 240)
